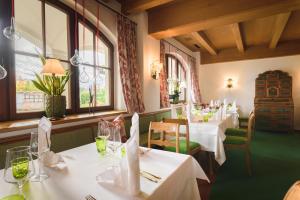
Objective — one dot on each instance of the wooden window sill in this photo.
(9, 126)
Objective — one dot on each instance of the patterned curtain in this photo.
(127, 48)
(164, 94)
(196, 96)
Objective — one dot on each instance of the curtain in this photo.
(196, 96)
(164, 92)
(130, 79)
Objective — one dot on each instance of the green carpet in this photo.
(275, 165)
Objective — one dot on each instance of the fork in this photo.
(90, 197)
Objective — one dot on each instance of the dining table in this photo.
(178, 173)
(211, 135)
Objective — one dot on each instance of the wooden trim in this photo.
(254, 52)
(10, 126)
(280, 23)
(134, 6)
(237, 36)
(195, 15)
(203, 41)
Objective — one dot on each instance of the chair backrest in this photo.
(182, 122)
(294, 192)
(250, 126)
(165, 129)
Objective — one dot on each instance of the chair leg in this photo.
(248, 161)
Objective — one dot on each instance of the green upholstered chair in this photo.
(242, 142)
(185, 145)
(177, 142)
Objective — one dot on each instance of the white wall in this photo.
(212, 78)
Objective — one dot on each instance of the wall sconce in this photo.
(156, 66)
(229, 83)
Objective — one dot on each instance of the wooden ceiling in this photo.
(225, 30)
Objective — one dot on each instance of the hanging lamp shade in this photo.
(3, 72)
(76, 59)
(53, 66)
(10, 31)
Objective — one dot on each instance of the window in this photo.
(95, 74)
(176, 77)
(46, 30)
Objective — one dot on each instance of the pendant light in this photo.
(84, 77)
(76, 60)
(3, 72)
(10, 31)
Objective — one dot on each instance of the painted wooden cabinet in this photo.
(273, 104)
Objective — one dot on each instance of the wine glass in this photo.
(102, 135)
(41, 175)
(18, 166)
(114, 139)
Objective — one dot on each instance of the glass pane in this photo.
(29, 23)
(102, 87)
(102, 54)
(86, 45)
(169, 68)
(85, 86)
(174, 70)
(56, 33)
(67, 91)
(28, 98)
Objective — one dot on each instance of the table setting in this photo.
(208, 123)
(105, 169)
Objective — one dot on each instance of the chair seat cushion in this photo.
(182, 146)
(236, 132)
(235, 140)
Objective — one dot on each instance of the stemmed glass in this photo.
(18, 166)
(41, 175)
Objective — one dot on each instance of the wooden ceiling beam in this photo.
(237, 36)
(189, 16)
(252, 52)
(280, 23)
(203, 41)
(134, 6)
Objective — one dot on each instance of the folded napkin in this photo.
(132, 156)
(53, 160)
(225, 101)
(49, 158)
(211, 104)
(44, 133)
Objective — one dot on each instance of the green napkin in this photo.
(13, 197)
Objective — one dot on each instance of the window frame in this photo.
(8, 108)
(178, 65)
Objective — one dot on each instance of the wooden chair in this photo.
(239, 131)
(294, 192)
(164, 129)
(185, 145)
(242, 142)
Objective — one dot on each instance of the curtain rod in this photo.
(178, 48)
(113, 10)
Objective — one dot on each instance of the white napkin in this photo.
(211, 104)
(132, 156)
(44, 133)
(233, 107)
(224, 112)
(49, 158)
(225, 101)
(52, 160)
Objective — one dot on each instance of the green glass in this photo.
(101, 142)
(20, 167)
(205, 118)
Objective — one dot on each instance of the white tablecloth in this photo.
(210, 135)
(178, 174)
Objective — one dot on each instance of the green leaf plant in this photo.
(51, 85)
